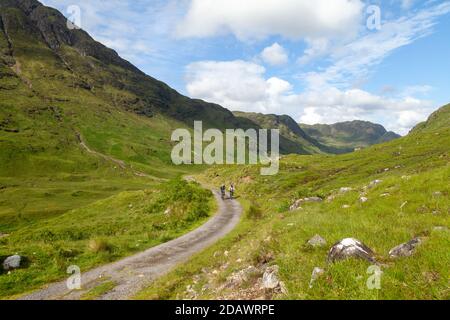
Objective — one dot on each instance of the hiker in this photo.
(231, 191)
(222, 191)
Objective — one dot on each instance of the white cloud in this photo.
(257, 19)
(316, 48)
(237, 85)
(242, 85)
(399, 114)
(353, 61)
(275, 55)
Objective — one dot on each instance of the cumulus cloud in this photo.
(257, 19)
(237, 85)
(242, 85)
(275, 55)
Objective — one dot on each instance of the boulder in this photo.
(240, 277)
(12, 262)
(350, 248)
(405, 249)
(317, 272)
(270, 278)
(345, 189)
(317, 241)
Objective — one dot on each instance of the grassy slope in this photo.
(103, 231)
(51, 185)
(418, 168)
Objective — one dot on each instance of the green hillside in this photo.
(404, 184)
(350, 135)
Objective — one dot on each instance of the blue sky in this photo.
(318, 61)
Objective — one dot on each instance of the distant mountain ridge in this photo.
(294, 137)
(350, 134)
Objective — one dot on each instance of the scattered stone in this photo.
(240, 277)
(168, 211)
(12, 262)
(350, 248)
(297, 204)
(271, 281)
(440, 228)
(238, 260)
(383, 195)
(406, 177)
(363, 199)
(313, 199)
(331, 198)
(405, 249)
(386, 170)
(226, 253)
(130, 206)
(3, 235)
(317, 272)
(345, 206)
(345, 189)
(317, 241)
(437, 194)
(270, 278)
(375, 183)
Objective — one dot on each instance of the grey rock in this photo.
(345, 189)
(238, 278)
(270, 278)
(405, 249)
(350, 248)
(297, 204)
(313, 199)
(12, 262)
(317, 241)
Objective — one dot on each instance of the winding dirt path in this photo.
(137, 272)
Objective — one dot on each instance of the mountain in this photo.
(295, 139)
(351, 134)
(61, 66)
